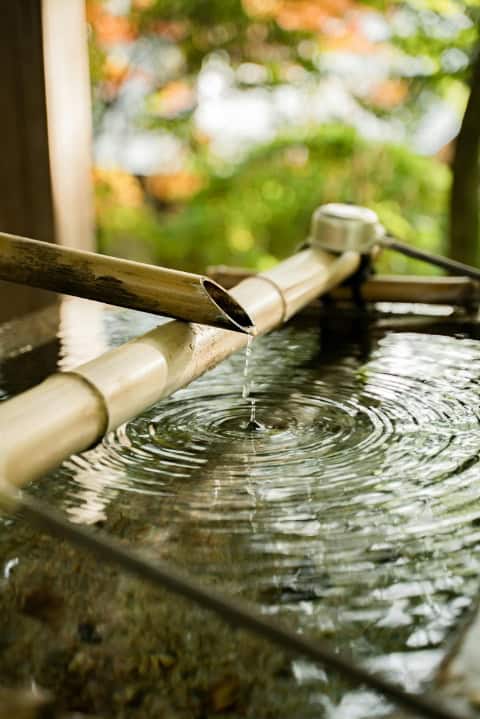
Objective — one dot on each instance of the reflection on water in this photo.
(354, 512)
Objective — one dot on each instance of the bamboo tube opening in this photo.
(115, 281)
(233, 311)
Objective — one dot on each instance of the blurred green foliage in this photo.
(256, 209)
(259, 210)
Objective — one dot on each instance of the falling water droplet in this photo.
(253, 425)
(246, 379)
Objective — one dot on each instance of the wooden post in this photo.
(69, 120)
(34, 195)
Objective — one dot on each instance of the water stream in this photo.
(252, 425)
(246, 367)
(354, 514)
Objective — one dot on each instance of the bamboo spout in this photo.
(158, 290)
(69, 412)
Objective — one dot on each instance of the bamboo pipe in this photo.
(383, 288)
(69, 412)
(426, 290)
(136, 285)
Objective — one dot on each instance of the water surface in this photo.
(352, 512)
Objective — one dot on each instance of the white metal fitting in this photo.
(339, 228)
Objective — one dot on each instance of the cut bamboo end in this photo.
(233, 312)
(101, 394)
(138, 286)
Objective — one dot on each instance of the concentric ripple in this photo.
(356, 504)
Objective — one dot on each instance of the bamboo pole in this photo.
(69, 412)
(115, 281)
(426, 290)
(383, 288)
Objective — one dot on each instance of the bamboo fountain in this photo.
(96, 397)
(100, 395)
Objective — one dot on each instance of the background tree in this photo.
(447, 34)
(152, 62)
(464, 196)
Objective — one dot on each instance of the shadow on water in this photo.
(20, 372)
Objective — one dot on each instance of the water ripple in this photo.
(355, 507)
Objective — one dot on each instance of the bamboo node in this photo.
(276, 287)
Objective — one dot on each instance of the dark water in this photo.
(353, 509)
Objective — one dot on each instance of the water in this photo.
(252, 425)
(246, 377)
(350, 509)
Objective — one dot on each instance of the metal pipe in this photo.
(338, 227)
(139, 286)
(456, 268)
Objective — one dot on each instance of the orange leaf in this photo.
(174, 98)
(389, 93)
(174, 187)
(110, 29)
